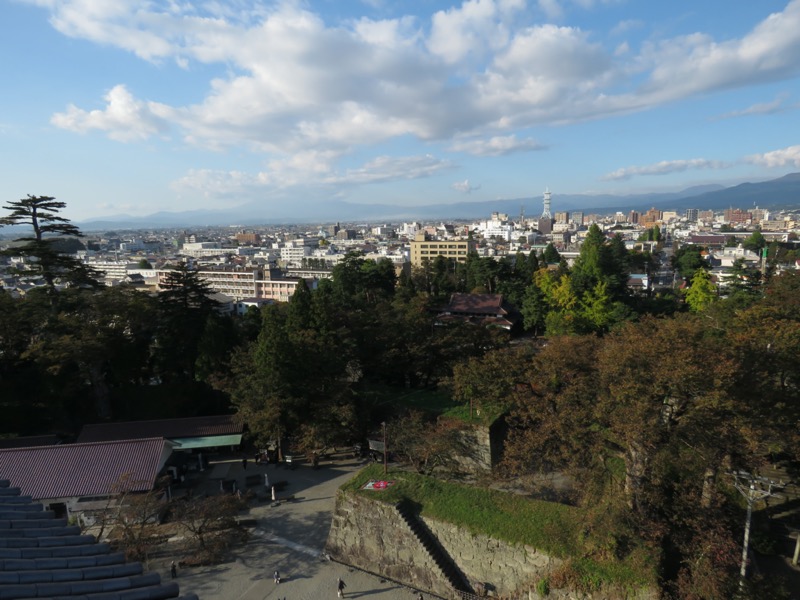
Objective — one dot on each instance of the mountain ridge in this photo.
(783, 191)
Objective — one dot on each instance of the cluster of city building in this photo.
(255, 266)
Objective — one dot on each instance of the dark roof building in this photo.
(187, 433)
(41, 556)
(484, 309)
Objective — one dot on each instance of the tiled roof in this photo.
(72, 470)
(476, 304)
(166, 428)
(44, 557)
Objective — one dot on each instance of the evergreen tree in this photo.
(185, 304)
(40, 250)
(551, 255)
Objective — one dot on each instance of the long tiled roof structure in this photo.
(166, 428)
(43, 557)
(82, 469)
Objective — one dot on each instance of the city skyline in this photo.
(130, 108)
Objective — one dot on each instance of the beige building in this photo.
(423, 247)
(241, 282)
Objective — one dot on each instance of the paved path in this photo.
(289, 538)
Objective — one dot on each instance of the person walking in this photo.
(277, 577)
(340, 587)
(173, 570)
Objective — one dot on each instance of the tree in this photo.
(134, 513)
(551, 255)
(534, 308)
(185, 304)
(755, 241)
(689, 259)
(425, 443)
(212, 525)
(702, 291)
(144, 264)
(42, 256)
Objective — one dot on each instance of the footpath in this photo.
(289, 538)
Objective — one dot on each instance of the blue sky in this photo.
(133, 107)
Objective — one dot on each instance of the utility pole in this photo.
(753, 488)
(385, 454)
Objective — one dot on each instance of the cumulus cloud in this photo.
(124, 118)
(496, 146)
(465, 186)
(785, 157)
(665, 167)
(294, 83)
(474, 27)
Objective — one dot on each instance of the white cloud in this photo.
(308, 170)
(551, 8)
(389, 168)
(777, 105)
(296, 84)
(626, 26)
(496, 146)
(124, 118)
(785, 157)
(697, 63)
(665, 167)
(465, 186)
(473, 28)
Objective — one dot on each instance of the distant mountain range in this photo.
(782, 192)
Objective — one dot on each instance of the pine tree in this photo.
(42, 257)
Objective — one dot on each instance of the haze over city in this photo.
(129, 108)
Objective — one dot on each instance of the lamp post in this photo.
(385, 462)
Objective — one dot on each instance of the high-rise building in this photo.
(691, 214)
(562, 217)
(735, 215)
(577, 218)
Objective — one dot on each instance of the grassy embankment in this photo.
(555, 529)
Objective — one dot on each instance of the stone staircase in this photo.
(428, 541)
(42, 556)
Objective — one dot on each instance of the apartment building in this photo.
(424, 247)
(243, 282)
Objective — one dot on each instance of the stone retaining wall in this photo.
(371, 535)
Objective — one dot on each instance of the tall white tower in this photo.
(546, 212)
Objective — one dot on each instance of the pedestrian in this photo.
(277, 577)
(244, 463)
(420, 597)
(173, 569)
(340, 587)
